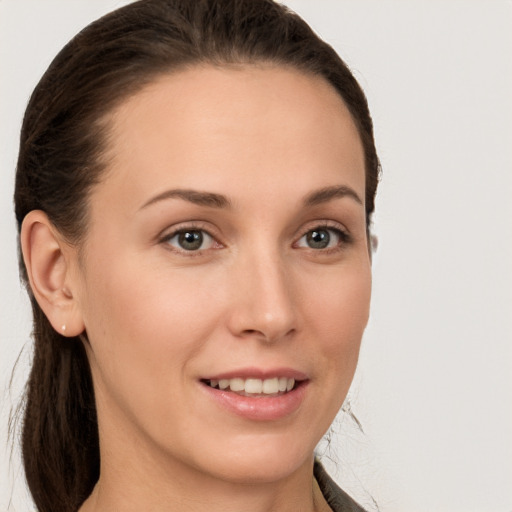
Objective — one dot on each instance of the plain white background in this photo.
(434, 386)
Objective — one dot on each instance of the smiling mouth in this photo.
(275, 386)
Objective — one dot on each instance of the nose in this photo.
(263, 303)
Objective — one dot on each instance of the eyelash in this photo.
(343, 236)
(191, 228)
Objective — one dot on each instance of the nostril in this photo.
(267, 335)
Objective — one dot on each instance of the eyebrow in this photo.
(329, 193)
(209, 199)
(213, 200)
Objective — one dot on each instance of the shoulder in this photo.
(336, 497)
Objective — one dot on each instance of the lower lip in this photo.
(260, 408)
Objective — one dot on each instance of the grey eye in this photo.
(318, 238)
(321, 238)
(191, 240)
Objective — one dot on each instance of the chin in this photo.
(263, 461)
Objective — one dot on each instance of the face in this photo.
(225, 278)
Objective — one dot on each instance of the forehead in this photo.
(257, 128)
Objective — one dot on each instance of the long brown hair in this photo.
(61, 157)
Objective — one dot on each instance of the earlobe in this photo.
(48, 268)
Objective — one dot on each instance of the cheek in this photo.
(145, 327)
(338, 313)
(336, 310)
(146, 320)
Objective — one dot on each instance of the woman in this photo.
(194, 191)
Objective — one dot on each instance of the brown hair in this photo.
(63, 138)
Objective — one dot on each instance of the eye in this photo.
(190, 240)
(322, 238)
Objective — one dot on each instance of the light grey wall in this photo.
(434, 386)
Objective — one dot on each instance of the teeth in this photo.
(255, 386)
(236, 384)
(252, 386)
(270, 386)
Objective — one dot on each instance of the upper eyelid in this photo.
(328, 224)
(165, 238)
(345, 237)
(170, 232)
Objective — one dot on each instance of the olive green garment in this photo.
(337, 498)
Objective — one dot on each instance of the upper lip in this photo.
(259, 373)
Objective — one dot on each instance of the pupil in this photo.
(191, 240)
(318, 239)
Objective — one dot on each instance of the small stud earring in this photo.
(63, 328)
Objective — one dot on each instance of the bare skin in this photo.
(228, 235)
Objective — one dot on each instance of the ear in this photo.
(49, 261)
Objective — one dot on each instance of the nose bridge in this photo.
(265, 301)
